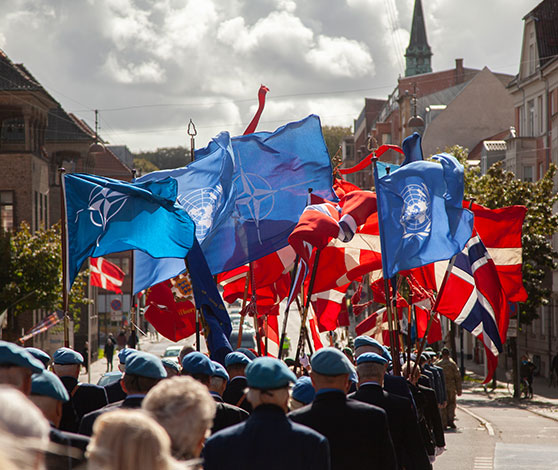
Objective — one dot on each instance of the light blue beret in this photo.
(15, 355)
(367, 341)
(220, 371)
(371, 357)
(47, 384)
(249, 354)
(170, 364)
(236, 357)
(145, 365)
(331, 361)
(39, 354)
(66, 356)
(268, 373)
(197, 363)
(124, 353)
(303, 390)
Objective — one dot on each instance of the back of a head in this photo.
(185, 409)
(23, 426)
(445, 352)
(370, 371)
(128, 439)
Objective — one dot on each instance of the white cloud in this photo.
(144, 72)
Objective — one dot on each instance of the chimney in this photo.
(459, 73)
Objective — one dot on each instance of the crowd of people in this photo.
(344, 409)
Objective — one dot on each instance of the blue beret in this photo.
(39, 354)
(197, 363)
(220, 371)
(47, 384)
(249, 354)
(15, 355)
(124, 353)
(367, 341)
(170, 364)
(145, 365)
(236, 357)
(371, 357)
(303, 390)
(331, 361)
(66, 356)
(268, 373)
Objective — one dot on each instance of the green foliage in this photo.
(32, 272)
(166, 157)
(144, 166)
(500, 188)
(333, 135)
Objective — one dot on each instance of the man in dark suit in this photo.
(49, 395)
(236, 363)
(267, 439)
(84, 398)
(403, 425)
(358, 433)
(143, 372)
(201, 368)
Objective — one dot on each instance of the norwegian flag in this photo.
(106, 275)
(474, 298)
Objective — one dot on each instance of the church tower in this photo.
(418, 54)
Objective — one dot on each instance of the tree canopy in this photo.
(333, 136)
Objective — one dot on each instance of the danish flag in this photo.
(106, 275)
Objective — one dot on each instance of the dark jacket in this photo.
(115, 392)
(267, 440)
(234, 392)
(403, 425)
(432, 415)
(86, 425)
(226, 415)
(84, 398)
(74, 443)
(358, 433)
(399, 386)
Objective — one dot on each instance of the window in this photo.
(531, 118)
(540, 114)
(528, 173)
(543, 320)
(7, 210)
(541, 170)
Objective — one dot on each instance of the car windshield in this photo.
(172, 352)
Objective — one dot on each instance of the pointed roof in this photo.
(418, 30)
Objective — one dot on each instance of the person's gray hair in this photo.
(184, 407)
(370, 370)
(279, 397)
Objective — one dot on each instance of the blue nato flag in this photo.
(420, 214)
(107, 216)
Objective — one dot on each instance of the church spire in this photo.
(418, 54)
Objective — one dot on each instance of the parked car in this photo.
(172, 353)
(248, 337)
(109, 378)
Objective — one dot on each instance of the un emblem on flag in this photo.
(416, 215)
(201, 205)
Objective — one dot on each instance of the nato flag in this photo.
(420, 214)
(107, 216)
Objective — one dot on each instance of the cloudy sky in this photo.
(149, 66)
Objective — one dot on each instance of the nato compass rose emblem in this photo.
(201, 205)
(103, 205)
(256, 197)
(416, 215)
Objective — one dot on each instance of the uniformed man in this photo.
(453, 387)
(40, 355)
(200, 367)
(114, 390)
(358, 433)
(84, 398)
(143, 372)
(403, 425)
(302, 393)
(236, 363)
(439, 377)
(49, 394)
(16, 366)
(392, 384)
(267, 439)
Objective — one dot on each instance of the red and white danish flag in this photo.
(106, 275)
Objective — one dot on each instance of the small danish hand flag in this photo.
(106, 275)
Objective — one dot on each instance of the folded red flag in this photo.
(106, 275)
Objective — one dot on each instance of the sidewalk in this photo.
(543, 403)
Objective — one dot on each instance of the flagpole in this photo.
(89, 309)
(255, 302)
(300, 345)
(409, 324)
(243, 309)
(287, 309)
(392, 338)
(133, 313)
(306, 334)
(64, 235)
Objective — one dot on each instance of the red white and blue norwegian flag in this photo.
(473, 297)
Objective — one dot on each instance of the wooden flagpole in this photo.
(242, 310)
(409, 324)
(286, 314)
(133, 310)
(65, 260)
(254, 300)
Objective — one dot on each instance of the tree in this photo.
(333, 136)
(501, 188)
(144, 166)
(166, 157)
(32, 272)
